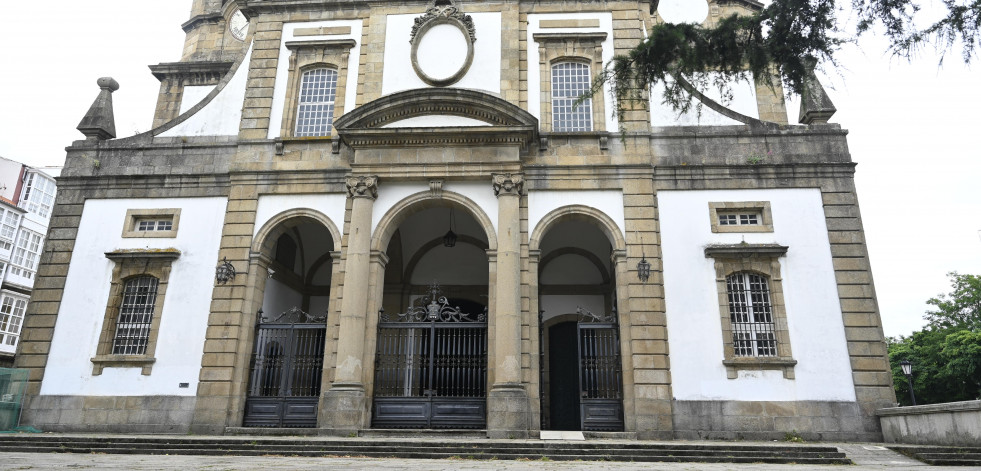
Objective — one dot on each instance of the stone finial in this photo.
(99, 123)
(815, 106)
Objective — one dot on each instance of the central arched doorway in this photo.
(431, 354)
(581, 372)
(286, 367)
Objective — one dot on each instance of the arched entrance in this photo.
(431, 352)
(286, 367)
(581, 372)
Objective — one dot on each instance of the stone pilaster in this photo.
(345, 409)
(508, 409)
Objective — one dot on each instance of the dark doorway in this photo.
(564, 376)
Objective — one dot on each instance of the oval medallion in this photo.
(442, 51)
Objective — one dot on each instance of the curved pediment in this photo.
(443, 116)
(448, 102)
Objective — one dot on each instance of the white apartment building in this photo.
(26, 198)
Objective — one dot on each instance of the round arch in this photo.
(578, 212)
(279, 224)
(423, 200)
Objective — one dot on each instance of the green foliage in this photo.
(961, 308)
(946, 355)
(780, 43)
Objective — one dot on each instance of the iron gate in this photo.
(600, 374)
(286, 371)
(431, 367)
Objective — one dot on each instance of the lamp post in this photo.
(908, 372)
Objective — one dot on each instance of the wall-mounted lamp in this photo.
(449, 240)
(643, 266)
(225, 272)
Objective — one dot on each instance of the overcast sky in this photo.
(914, 128)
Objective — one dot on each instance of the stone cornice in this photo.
(321, 44)
(163, 254)
(745, 250)
(425, 137)
(206, 18)
(597, 37)
(195, 72)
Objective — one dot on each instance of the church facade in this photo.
(356, 215)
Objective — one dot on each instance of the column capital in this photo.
(508, 184)
(364, 186)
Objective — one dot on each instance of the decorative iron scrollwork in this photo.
(295, 315)
(585, 315)
(434, 308)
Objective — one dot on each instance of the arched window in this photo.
(135, 316)
(751, 314)
(315, 113)
(570, 80)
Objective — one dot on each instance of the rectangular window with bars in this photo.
(571, 80)
(28, 249)
(135, 316)
(315, 113)
(751, 315)
(739, 219)
(144, 225)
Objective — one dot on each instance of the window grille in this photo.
(38, 194)
(570, 80)
(751, 314)
(315, 115)
(11, 317)
(135, 316)
(739, 219)
(144, 225)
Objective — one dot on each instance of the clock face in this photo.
(238, 25)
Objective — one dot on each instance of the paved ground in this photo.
(866, 456)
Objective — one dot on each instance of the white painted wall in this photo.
(436, 121)
(193, 94)
(743, 101)
(817, 335)
(389, 194)
(534, 74)
(282, 69)
(540, 203)
(278, 298)
(484, 73)
(221, 116)
(184, 318)
(331, 205)
(683, 11)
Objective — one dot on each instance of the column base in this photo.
(508, 411)
(343, 410)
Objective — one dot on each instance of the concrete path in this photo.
(866, 456)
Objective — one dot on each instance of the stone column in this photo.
(508, 412)
(344, 403)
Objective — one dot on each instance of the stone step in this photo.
(285, 448)
(942, 455)
(486, 449)
(720, 458)
(579, 445)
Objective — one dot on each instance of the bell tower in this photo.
(210, 49)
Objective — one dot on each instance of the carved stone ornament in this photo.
(362, 187)
(438, 67)
(508, 184)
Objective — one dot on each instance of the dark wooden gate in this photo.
(431, 367)
(600, 373)
(286, 371)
